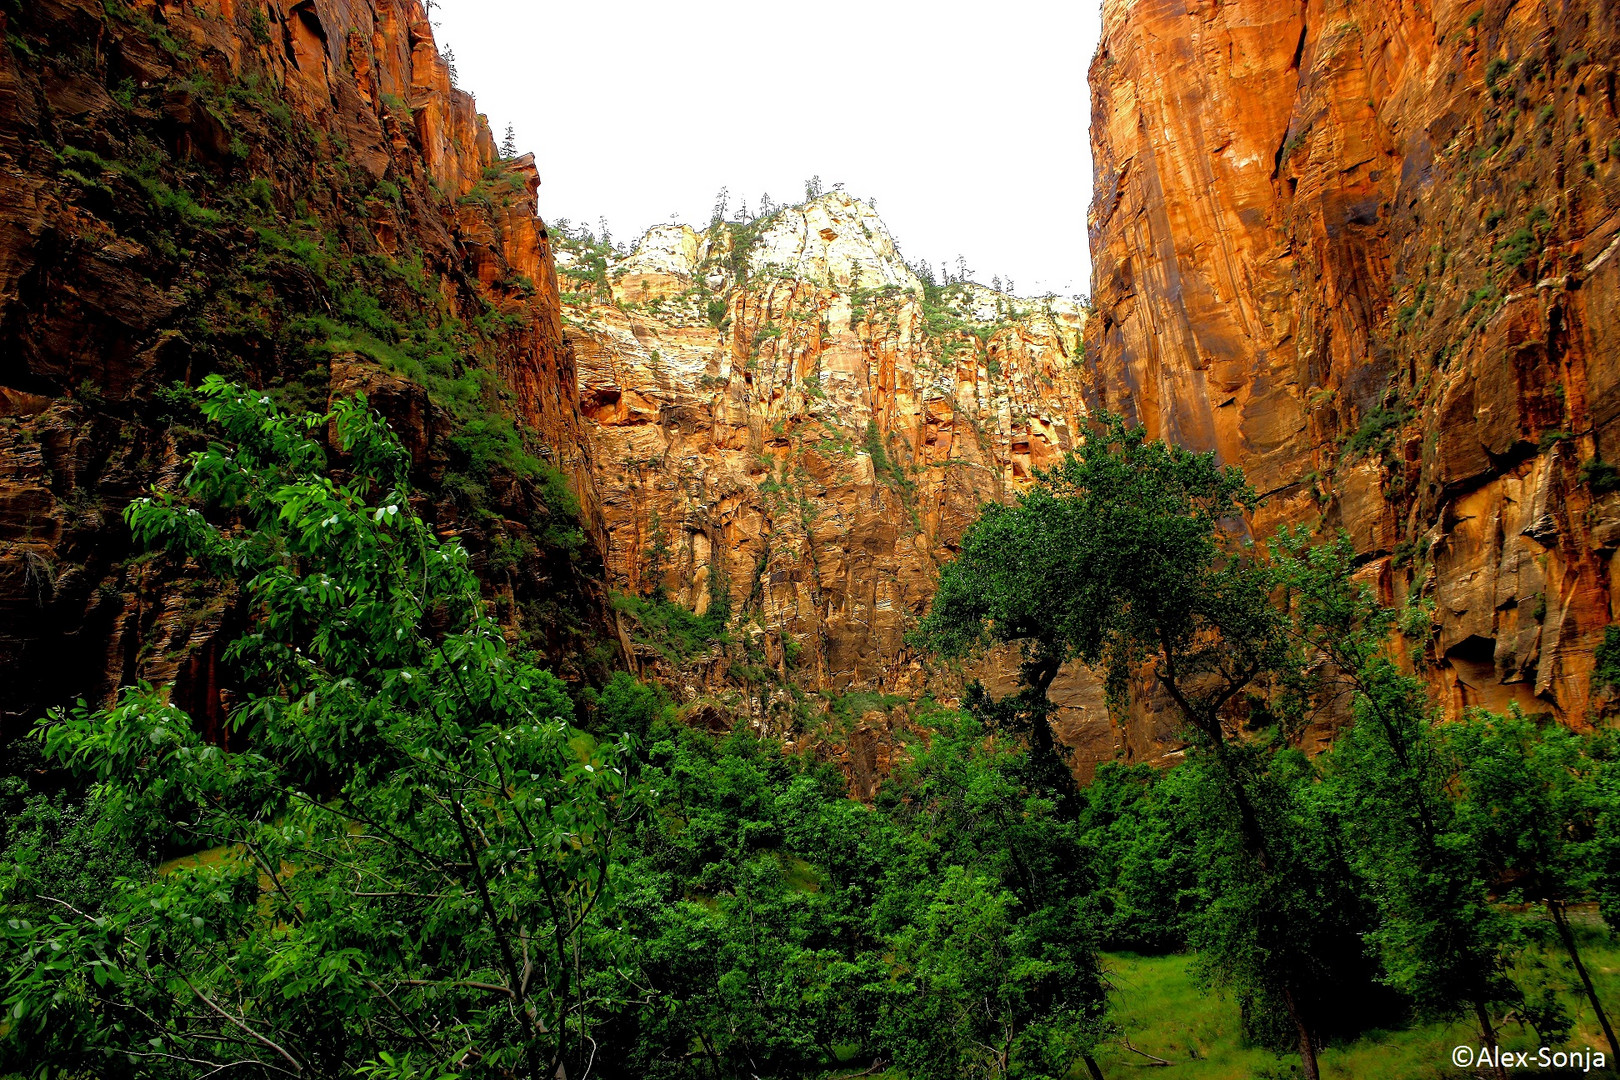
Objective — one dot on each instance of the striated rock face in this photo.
(293, 193)
(1367, 251)
(790, 424)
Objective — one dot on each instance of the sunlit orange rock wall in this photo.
(1367, 250)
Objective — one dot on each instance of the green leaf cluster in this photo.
(400, 844)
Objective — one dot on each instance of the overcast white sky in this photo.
(965, 121)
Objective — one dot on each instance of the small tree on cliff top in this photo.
(402, 845)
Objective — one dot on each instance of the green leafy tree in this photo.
(1117, 555)
(659, 558)
(745, 900)
(1442, 942)
(997, 939)
(978, 981)
(778, 927)
(1604, 748)
(1530, 795)
(1141, 836)
(1285, 934)
(392, 867)
(1128, 557)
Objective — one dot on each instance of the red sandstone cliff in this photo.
(293, 193)
(788, 423)
(1367, 250)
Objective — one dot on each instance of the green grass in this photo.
(1162, 1010)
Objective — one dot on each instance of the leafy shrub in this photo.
(673, 629)
(1600, 476)
(1494, 71)
(1606, 659)
(1377, 431)
(1482, 295)
(886, 469)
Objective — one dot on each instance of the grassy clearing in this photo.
(1163, 1011)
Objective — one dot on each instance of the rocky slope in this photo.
(793, 429)
(293, 193)
(1368, 251)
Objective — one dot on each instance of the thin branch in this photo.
(492, 987)
(297, 1067)
(204, 1061)
(1153, 1059)
(64, 903)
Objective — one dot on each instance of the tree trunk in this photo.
(1209, 723)
(1307, 1045)
(1040, 731)
(1052, 770)
(1248, 821)
(1091, 1066)
(1488, 1034)
(1556, 907)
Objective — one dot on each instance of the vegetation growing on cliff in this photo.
(387, 307)
(672, 629)
(201, 205)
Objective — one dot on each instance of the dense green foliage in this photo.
(397, 850)
(672, 629)
(1130, 556)
(1441, 943)
(782, 927)
(1120, 557)
(413, 853)
(1114, 549)
(404, 858)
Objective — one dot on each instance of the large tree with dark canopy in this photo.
(1131, 556)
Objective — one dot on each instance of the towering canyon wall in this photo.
(1368, 251)
(292, 193)
(788, 423)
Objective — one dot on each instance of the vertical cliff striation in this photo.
(793, 428)
(294, 194)
(1367, 250)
